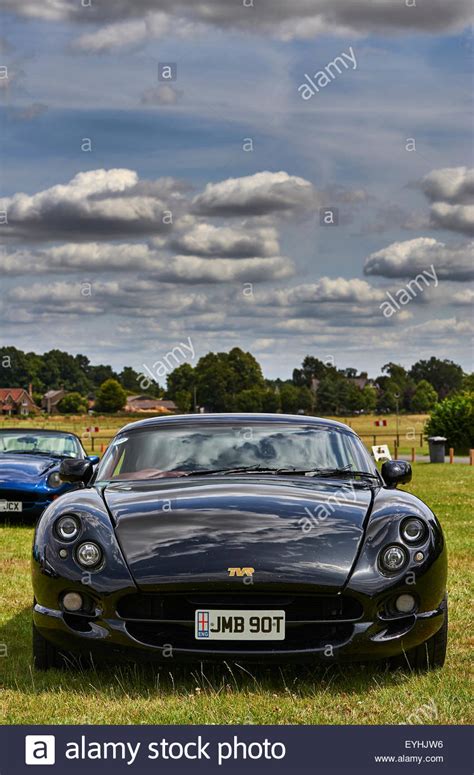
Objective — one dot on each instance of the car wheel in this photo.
(45, 655)
(431, 654)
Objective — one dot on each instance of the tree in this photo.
(16, 368)
(368, 398)
(110, 397)
(73, 403)
(181, 380)
(271, 401)
(454, 418)
(312, 368)
(61, 370)
(390, 398)
(468, 383)
(100, 374)
(397, 373)
(327, 396)
(215, 382)
(295, 399)
(424, 397)
(246, 368)
(250, 400)
(289, 398)
(184, 400)
(445, 376)
(129, 379)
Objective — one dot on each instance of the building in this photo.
(51, 399)
(16, 401)
(152, 405)
(361, 381)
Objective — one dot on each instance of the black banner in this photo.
(236, 749)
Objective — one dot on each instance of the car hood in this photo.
(24, 468)
(289, 531)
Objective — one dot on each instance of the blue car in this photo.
(29, 465)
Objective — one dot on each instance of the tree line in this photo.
(234, 381)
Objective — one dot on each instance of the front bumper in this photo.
(370, 636)
(31, 509)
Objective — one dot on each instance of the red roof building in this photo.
(16, 401)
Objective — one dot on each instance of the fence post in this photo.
(471, 457)
(421, 440)
(398, 439)
(395, 450)
(413, 455)
(451, 455)
(375, 439)
(92, 443)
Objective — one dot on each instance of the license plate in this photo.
(220, 624)
(11, 505)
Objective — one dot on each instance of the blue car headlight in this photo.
(54, 480)
(67, 527)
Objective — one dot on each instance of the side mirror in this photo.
(75, 471)
(94, 459)
(396, 472)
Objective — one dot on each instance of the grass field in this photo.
(328, 695)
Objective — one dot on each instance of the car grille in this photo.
(312, 621)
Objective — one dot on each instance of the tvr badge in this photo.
(241, 571)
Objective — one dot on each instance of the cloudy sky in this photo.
(138, 210)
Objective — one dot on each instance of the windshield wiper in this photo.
(335, 472)
(323, 472)
(237, 470)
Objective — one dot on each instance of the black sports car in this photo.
(249, 537)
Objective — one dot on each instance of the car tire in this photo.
(431, 654)
(45, 655)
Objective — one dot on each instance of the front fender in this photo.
(426, 578)
(53, 574)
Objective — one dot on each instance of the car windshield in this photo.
(271, 447)
(40, 443)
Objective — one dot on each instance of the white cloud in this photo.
(101, 203)
(99, 257)
(335, 290)
(406, 259)
(451, 192)
(459, 218)
(194, 269)
(255, 195)
(228, 242)
(450, 184)
(463, 298)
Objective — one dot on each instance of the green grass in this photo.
(293, 695)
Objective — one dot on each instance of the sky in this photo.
(290, 178)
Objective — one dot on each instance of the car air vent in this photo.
(181, 607)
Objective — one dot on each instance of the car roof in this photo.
(40, 430)
(235, 417)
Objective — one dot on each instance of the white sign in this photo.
(381, 452)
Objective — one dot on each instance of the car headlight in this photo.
(54, 480)
(413, 530)
(392, 558)
(89, 554)
(67, 527)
